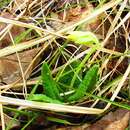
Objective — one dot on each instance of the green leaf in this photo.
(80, 37)
(43, 98)
(87, 85)
(68, 74)
(50, 86)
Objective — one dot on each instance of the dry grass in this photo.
(46, 37)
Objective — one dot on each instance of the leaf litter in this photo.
(50, 85)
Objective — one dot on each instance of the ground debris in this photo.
(117, 120)
(14, 31)
(10, 68)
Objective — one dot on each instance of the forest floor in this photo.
(64, 65)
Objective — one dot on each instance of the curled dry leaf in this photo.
(9, 65)
(120, 124)
(117, 120)
(83, 127)
(15, 30)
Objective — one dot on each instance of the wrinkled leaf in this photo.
(9, 65)
(120, 124)
(117, 120)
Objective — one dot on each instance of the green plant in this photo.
(51, 92)
(51, 87)
(87, 85)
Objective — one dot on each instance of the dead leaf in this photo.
(75, 14)
(9, 66)
(120, 124)
(8, 119)
(15, 30)
(75, 127)
(117, 120)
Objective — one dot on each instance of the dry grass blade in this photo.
(117, 27)
(119, 87)
(22, 24)
(20, 47)
(12, 49)
(50, 106)
(118, 15)
(45, 27)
